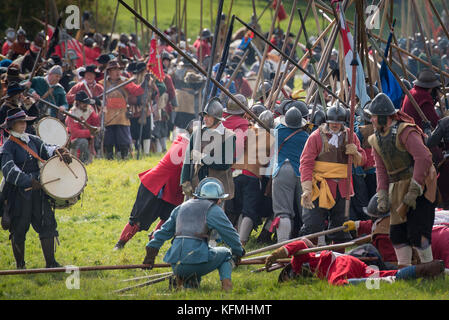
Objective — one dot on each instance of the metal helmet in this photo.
(381, 105)
(318, 118)
(257, 109)
(293, 119)
(124, 38)
(234, 108)
(283, 107)
(407, 84)
(21, 32)
(264, 87)
(301, 106)
(10, 34)
(336, 114)
(211, 189)
(372, 90)
(372, 210)
(206, 34)
(267, 118)
(89, 42)
(214, 108)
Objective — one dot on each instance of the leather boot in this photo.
(48, 248)
(119, 245)
(18, 249)
(430, 269)
(226, 284)
(124, 148)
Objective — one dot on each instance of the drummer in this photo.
(26, 202)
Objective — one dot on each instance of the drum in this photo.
(63, 182)
(52, 131)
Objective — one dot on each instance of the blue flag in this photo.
(390, 85)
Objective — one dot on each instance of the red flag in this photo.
(154, 65)
(91, 54)
(282, 15)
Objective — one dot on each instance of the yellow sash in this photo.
(321, 172)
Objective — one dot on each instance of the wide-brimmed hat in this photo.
(113, 64)
(427, 79)
(90, 68)
(13, 89)
(82, 96)
(13, 115)
(105, 58)
(13, 73)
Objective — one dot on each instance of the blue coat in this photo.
(291, 150)
(195, 251)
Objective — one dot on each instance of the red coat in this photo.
(312, 150)
(425, 102)
(166, 174)
(334, 267)
(76, 129)
(440, 243)
(381, 241)
(96, 90)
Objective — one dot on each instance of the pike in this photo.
(212, 55)
(354, 64)
(264, 57)
(368, 32)
(404, 88)
(271, 96)
(311, 57)
(148, 283)
(309, 236)
(81, 269)
(292, 62)
(195, 65)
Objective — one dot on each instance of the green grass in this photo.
(89, 230)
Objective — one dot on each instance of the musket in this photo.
(34, 70)
(124, 83)
(83, 122)
(195, 65)
(103, 110)
(143, 114)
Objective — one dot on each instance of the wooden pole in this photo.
(195, 64)
(418, 22)
(284, 45)
(324, 8)
(404, 88)
(265, 52)
(310, 236)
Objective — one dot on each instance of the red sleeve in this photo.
(70, 96)
(365, 227)
(94, 120)
(311, 151)
(414, 144)
(76, 130)
(134, 89)
(356, 141)
(295, 246)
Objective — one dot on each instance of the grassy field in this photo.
(89, 230)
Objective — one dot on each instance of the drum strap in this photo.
(28, 149)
